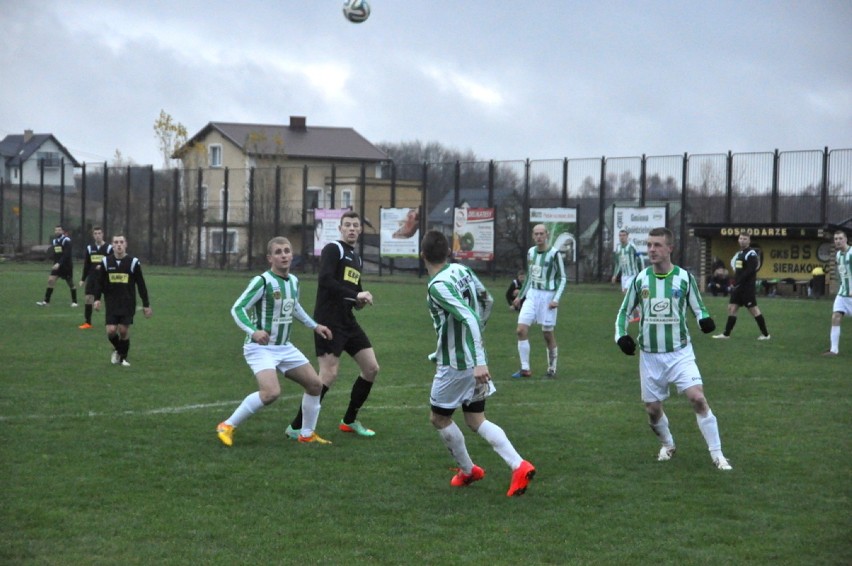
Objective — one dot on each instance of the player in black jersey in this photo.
(92, 259)
(339, 291)
(118, 279)
(745, 264)
(63, 268)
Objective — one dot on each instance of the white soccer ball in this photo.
(356, 11)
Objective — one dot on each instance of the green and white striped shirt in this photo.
(452, 300)
(844, 272)
(627, 260)
(270, 303)
(545, 272)
(663, 301)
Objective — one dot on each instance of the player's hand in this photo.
(707, 325)
(627, 345)
(96, 305)
(364, 298)
(147, 311)
(323, 331)
(80, 284)
(516, 304)
(553, 305)
(260, 337)
(481, 374)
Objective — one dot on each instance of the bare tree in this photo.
(171, 135)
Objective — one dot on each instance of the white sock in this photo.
(835, 339)
(524, 353)
(710, 429)
(454, 441)
(247, 408)
(498, 440)
(661, 429)
(310, 413)
(552, 357)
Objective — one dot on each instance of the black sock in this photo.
(296, 423)
(360, 392)
(73, 295)
(729, 326)
(761, 323)
(47, 293)
(88, 310)
(125, 348)
(113, 339)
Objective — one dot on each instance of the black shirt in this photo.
(119, 280)
(338, 284)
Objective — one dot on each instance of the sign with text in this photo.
(400, 232)
(473, 233)
(638, 221)
(561, 224)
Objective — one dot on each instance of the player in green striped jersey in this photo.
(462, 378)
(538, 300)
(628, 262)
(265, 312)
(664, 293)
(843, 300)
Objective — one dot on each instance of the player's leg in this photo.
(834, 334)
(268, 391)
(123, 347)
(112, 335)
(654, 388)
(526, 317)
(548, 325)
(368, 368)
(732, 319)
(69, 280)
(89, 300)
(307, 377)
(48, 292)
(708, 425)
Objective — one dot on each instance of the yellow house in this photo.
(297, 166)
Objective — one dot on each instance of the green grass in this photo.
(109, 465)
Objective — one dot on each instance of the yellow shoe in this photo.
(225, 432)
(314, 437)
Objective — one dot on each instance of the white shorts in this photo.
(658, 371)
(626, 280)
(452, 388)
(536, 309)
(842, 304)
(283, 358)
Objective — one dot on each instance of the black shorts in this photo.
(350, 339)
(90, 282)
(115, 319)
(62, 273)
(743, 296)
(475, 407)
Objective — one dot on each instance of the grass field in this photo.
(110, 465)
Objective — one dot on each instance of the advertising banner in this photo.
(638, 221)
(400, 232)
(473, 233)
(561, 224)
(326, 223)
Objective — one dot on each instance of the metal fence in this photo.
(223, 218)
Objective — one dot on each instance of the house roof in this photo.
(14, 150)
(296, 140)
(442, 212)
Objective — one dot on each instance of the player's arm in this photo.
(561, 274)
(483, 298)
(65, 259)
(142, 288)
(696, 305)
(242, 306)
(100, 283)
(628, 303)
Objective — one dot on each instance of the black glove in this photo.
(627, 344)
(707, 325)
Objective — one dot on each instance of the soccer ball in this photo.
(356, 11)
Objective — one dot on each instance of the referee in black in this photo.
(745, 263)
(339, 293)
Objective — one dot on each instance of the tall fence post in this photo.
(525, 221)
(128, 187)
(776, 159)
(199, 217)
(362, 204)
(21, 208)
(276, 213)
(823, 198)
(41, 202)
(62, 192)
(729, 187)
(565, 185)
(333, 185)
(683, 212)
(226, 201)
(643, 180)
(105, 211)
(457, 183)
(601, 213)
(175, 211)
(491, 264)
(151, 213)
(250, 219)
(83, 200)
(305, 242)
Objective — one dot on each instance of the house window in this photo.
(317, 198)
(346, 198)
(216, 242)
(215, 155)
(50, 159)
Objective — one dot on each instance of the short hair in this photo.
(350, 214)
(623, 231)
(839, 231)
(663, 231)
(277, 240)
(96, 228)
(744, 233)
(435, 247)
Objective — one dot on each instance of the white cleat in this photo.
(43, 304)
(125, 363)
(762, 337)
(666, 453)
(722, 463)
(73, 305)
(720, 337)
(115, 359)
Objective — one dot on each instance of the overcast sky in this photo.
(507, 80)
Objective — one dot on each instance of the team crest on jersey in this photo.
(276, 294)
(645, 293)
(677, 294)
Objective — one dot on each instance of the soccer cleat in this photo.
(722, 463)
(125, 363)
(115, 359)
(225, 432)
(291, 433)
(666, 453)
(315, 438)
(521, 479)
(462, 479)
(85, 326)
(43, 304)
(829, 354)
(721, 336)
(551, 372)
(762, 337)
(522, 373)
(73, 305)
(357, 428)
